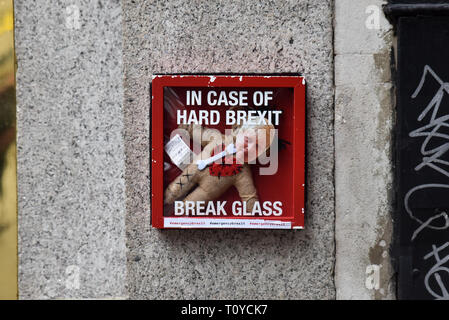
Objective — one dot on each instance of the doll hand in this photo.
(230, 149)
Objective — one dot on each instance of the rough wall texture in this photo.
(363, 168)
(71, 190)
(230, 36)
(71, 150)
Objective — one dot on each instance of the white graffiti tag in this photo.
(431, 155)
(433, 148)
(436, 271)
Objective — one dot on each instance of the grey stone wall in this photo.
(83, 149)
(363, 144)
(230, 36)
(71, 188)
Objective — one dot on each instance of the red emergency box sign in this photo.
(228, 151)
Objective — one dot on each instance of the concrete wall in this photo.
(230, 36)
(363, 145)
(71, 188)
(83, 149)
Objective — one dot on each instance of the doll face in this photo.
(250, 143)
(246, 145)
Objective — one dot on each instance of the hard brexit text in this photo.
(232, 117)
(228, 99)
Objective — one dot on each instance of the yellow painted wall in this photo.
(8, 234)
(8, 173)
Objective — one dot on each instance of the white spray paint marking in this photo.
(431, 155)
(431, 158)
(435, 273)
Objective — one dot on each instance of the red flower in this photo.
(224, 169)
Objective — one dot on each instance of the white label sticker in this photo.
(179, 152)
(216, 223)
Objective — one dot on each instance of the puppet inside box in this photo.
(228, 151)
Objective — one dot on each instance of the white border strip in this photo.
(188, 223)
